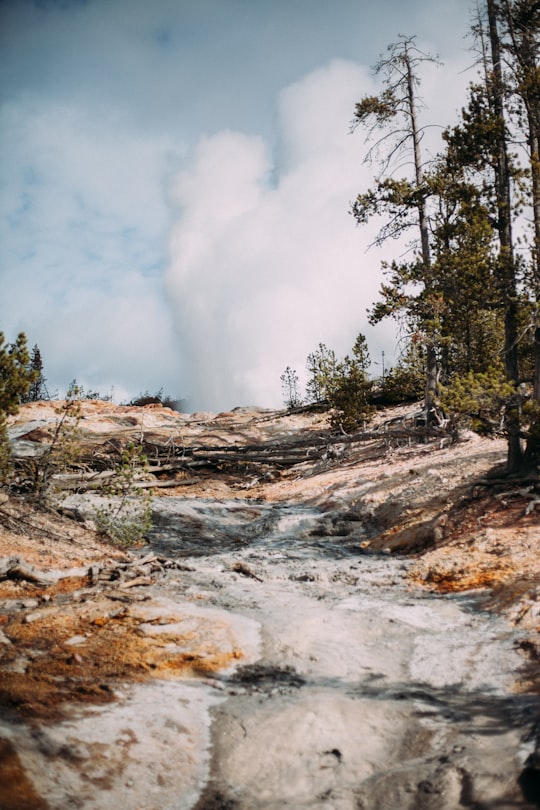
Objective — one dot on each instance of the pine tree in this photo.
(38, 389)
(289, 386)
(478, 147)
(16, 378)
(321, 366)
(464, 261)
(406, 380)
(15, 381)
(403, 201)
(349, 389)
(520, 20)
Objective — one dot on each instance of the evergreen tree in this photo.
(16, 377)
(349, 389)
(406, 380)
(15, 381)
(520, 21)
(343, 385)
(478, 148)
(403, 201)
(321, 366)
(464, 260)
(38, 389)
(289, 386)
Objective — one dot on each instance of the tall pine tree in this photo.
(38, 389)
(520, 22)
(403, 201)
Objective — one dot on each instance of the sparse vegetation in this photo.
(126, 516)
(159, 398)
(289, 387)
(82, 394)
(36, 475)
(16, 379)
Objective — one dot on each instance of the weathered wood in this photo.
(15, 568)
(132, 583)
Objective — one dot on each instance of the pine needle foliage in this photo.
(479, 400)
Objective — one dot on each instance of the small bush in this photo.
(406, 381)
(289, 387)
(348, 389)
(127, 516)
(61, 455)
(16, 378)
(159, 398)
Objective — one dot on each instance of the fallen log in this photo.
(16, 568)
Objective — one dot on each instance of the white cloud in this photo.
(84, 224)
(262, 271)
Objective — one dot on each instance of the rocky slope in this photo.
(300, 587)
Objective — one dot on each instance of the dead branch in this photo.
(16, 568)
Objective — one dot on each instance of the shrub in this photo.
(289, 387)
(348, 388)
(126, 518)
(16, 378)
(406, 381)
(159, 398)
(61, 455)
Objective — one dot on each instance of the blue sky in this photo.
(175, 182)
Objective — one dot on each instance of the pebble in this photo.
(75, 640)
(3, 638)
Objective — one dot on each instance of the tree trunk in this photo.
(523, 21)
(432, 366)
(506, 255)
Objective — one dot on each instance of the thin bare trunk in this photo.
(432, 370)
(506, 254)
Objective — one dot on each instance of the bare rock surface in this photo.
(343, 623)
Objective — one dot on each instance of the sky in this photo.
(176, 179)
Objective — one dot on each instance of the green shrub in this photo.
(127, 517)
(16, 378)
(406, 381)
(348, 389)
(348, 396)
